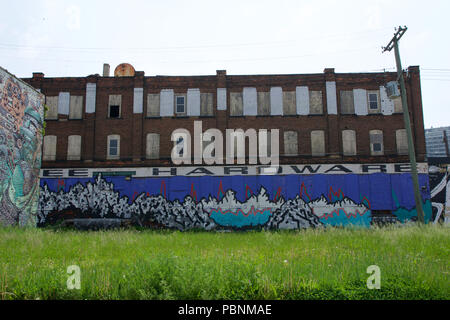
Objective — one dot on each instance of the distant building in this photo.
(438, 142)
(343, 153)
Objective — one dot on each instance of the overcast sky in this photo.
(74, 38)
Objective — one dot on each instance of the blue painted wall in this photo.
(209, 202)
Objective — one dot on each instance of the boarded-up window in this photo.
(276, 101)
(315, 102)
(114, 106)
(376, 142)
(289, 103)
(318, 143)
(401, 141)
(206, 104)
(113, 151)
(49, 152)
(194, 102)
(76, 107)
(152, 150)
(347, 102)
(74, 148)
(290, 143)
(349, 142)
(250, 101)
(398, 107)
(153, 105)
(52, 105)
(263, 103)
(166, 103)
(236, 104)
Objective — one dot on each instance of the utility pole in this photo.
(393, 44)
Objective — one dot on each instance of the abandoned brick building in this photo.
(342, 145)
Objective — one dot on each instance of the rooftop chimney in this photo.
(106, 70)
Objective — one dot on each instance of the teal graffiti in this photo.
(240, 218)
(405, 215)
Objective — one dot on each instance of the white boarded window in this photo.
(113, 151)
(349, 142)
(166, 103)
(401, 141)
(74, 147)
(193, 102)
(52, 106)
(376, 142)
(76, 107)
(250, 101)
(290, 143)
(315, 102)
(276, 101)
(153, 105)
(318, 143)
(49, 152)
(152, 149)
(114, 106)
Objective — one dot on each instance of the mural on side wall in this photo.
(21, 121)
(440, 194)
(238, 202)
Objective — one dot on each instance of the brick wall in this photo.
(133, 127)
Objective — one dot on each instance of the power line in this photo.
(8, 46)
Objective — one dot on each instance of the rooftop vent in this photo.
(106, 70)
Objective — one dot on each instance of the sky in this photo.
(68, 38)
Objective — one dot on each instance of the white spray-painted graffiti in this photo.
(440, 195)
(100, 199)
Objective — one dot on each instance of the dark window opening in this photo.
(114, 111)
(377, 147)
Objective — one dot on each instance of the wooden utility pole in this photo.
(393, 44)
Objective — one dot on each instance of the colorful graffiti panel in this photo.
(21, 121)
(237, 202)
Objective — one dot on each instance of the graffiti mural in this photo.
(21, 121)
(231, 202)
(440, 194)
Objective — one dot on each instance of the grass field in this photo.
(312, 264)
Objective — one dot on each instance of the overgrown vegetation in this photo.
(311, 264)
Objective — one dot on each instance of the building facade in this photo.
(341, 146)
(437, 141)
(21, 122)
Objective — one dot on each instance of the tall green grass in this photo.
(311, 264)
